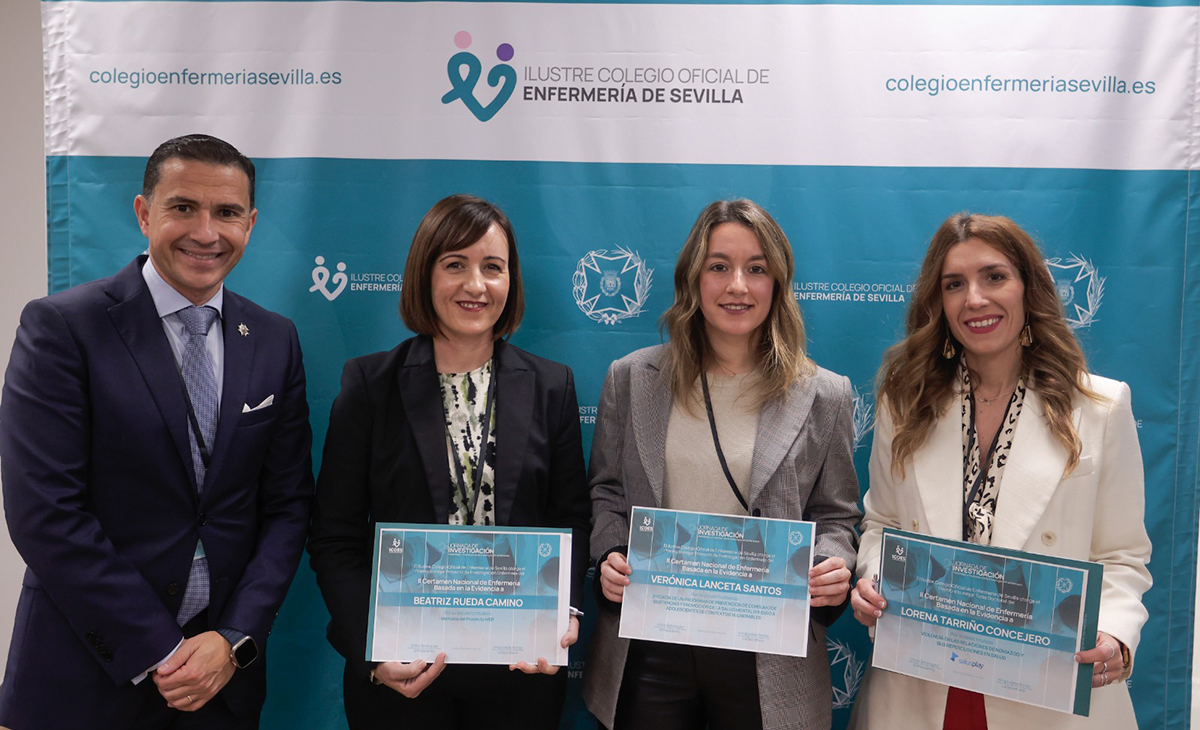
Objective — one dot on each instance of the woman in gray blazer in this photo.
(782, 448)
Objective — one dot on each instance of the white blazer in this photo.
(1094, 513)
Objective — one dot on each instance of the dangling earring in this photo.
(1026, 334)
(948, 349)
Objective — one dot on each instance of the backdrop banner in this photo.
(603, 130)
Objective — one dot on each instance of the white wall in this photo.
(23, 212)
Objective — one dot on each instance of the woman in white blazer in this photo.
(991, 430)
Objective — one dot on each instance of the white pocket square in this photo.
(269, 400)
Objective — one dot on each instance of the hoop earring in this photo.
(948, 349)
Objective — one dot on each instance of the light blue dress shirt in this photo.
(168, 302)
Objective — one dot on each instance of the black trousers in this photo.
(215, 715)
(464, 696)
(678, 687)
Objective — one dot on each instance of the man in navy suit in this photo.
(155, 456)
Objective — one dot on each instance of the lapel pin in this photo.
(243, 330)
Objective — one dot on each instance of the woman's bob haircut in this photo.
(452, 224)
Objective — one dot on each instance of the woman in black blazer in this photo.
(404, 446)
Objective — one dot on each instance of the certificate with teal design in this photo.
(497, 595)
(718, 581)
(1001, 622)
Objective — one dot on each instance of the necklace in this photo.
(993, 399)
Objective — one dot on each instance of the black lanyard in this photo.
(712, 422)
(205, 453)
(985, 465)
(461, 483)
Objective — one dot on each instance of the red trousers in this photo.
(964, 711)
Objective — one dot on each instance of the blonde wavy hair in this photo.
(917, 382)
(780, 351)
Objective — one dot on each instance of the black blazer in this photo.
(385, 461)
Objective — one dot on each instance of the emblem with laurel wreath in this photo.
(610, 285)
(864, 417)
(853, 669)
(1080, 315)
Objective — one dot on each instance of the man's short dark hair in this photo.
(199, 147)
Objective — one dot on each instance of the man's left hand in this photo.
(195, 673)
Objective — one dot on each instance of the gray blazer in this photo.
(802, 468)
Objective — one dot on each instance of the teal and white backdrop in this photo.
(603, 129)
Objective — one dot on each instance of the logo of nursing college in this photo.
(544, 549)
(610, 287)
(1080, 288)
(322, 279)
(864, 417)
(1064, 585)
(853, 668)
(501, 77)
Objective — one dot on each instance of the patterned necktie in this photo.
(201, 384)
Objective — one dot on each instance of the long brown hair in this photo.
(917, 382)
(780, 350)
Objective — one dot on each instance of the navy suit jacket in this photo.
(101, 500)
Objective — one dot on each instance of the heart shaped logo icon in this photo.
(464, 71)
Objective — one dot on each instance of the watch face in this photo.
(245, 652)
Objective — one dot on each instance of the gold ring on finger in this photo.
(189, 699)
